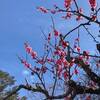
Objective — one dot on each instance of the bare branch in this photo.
(75, 29)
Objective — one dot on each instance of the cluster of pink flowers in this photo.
(86, 54)
(53, 11)
(60, 61)
(85, 57)
(79, 17)
(42, 9)
(68, 15)
(64, 44)
(60, 52)
(26, 64)
(67, 3)
(93, 17)
(76, 71)
(56, 33)
(45, 10)
(49, 37)
(43, 69)
(92, 3)
(30, 51)
(76, 45)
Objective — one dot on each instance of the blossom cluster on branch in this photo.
(65, 61)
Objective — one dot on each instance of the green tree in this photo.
(6, 82)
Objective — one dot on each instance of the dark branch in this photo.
(86, 17)
(95, 56)
(75, 29)
(73, 87)
(82, 89)
(76, 89)
(29, 88)
(90, 34)
(77, 13)
(76, 5)
(88, 71)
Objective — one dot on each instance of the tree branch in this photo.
(82, 89)
(82, 24)
(29, 88)
(77, 89)
(88, 71)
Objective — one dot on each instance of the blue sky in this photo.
(20, 22)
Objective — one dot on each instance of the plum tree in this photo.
(66, 70)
